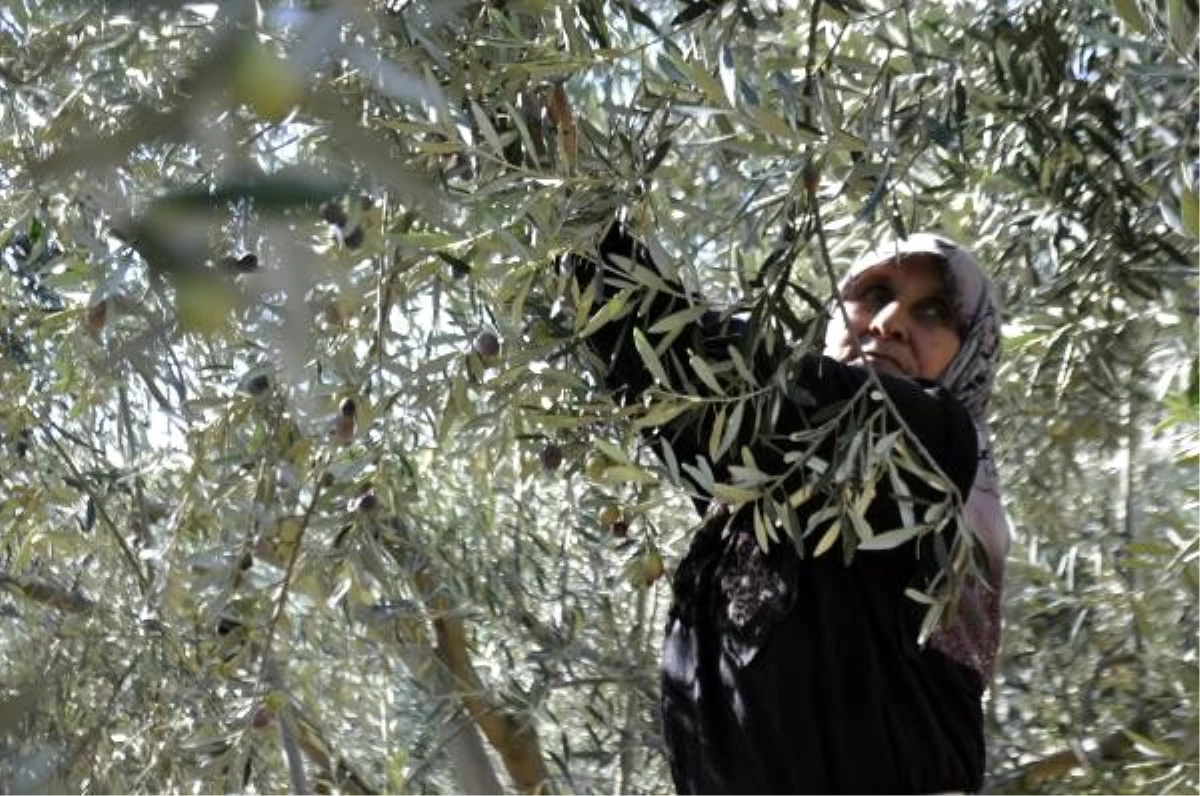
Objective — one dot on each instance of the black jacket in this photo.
(785, 672)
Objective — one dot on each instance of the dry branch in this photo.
(330, 768)
(512, 736)
(49, 594)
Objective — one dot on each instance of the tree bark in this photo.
(512, 735)
(464, 746)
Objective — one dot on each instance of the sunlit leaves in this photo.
(148, 144)
(1189, 210)
(650, 358)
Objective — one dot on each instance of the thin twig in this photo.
(285, 588)
(102, 513)
(291, 751)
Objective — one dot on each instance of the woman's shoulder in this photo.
(925, 409)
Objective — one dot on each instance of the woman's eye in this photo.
(934, 311)
(876, 296)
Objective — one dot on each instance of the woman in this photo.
(787, 668)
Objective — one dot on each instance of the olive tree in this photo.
(310, 481)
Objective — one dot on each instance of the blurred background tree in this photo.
(306, 486)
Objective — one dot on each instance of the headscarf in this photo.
(969, 378)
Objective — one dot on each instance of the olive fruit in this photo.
(343, 428)
(552, 457)
(241, 264)
(334, 213)
(343, 424)
(487, 345)
(652, 567)
(332, 314)
(96, 317)
(368, 502)
(811, 177)
(355, 238)
(258, 384)
(262, 718)
(596, 467)
(459, 267)
(609, 516)
(226, 625)
(267, 84)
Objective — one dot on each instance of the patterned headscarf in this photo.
(969, 378)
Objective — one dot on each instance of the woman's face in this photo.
(901, 316)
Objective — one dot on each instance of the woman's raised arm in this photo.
(673, 345)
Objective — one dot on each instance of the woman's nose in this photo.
(889, 322)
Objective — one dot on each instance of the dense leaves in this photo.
(309, 483)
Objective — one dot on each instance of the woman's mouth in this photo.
(885, 363)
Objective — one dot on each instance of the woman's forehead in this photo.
(916, 265)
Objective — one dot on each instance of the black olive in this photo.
(335, 214)
(259, 384)
(552, 457)
(226, 625)
(240, 264)
(354, 238)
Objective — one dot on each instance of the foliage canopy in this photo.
(307, 484)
